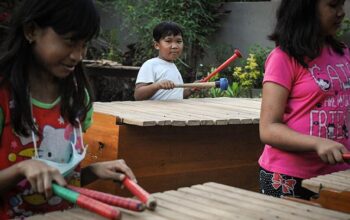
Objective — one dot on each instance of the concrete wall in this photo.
(249, 23)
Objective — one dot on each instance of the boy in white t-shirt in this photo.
(157, 77)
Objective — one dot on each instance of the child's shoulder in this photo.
(278, 54)
(154, 61)
(277, 51)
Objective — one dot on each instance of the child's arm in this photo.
(188, 92)
(37, 173)
(115, 170)
(277, 134)
(144, 91)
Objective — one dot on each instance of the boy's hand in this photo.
(115, 170)
(40, 176)
(165, 84)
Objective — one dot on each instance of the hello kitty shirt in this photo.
(53, 144)
(318, 105)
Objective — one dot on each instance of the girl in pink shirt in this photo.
(306, 98)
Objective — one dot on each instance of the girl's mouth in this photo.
(70, 68)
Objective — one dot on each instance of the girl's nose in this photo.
(78, 52)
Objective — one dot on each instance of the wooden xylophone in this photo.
(333, 190)
(181, 142)
(213, 201)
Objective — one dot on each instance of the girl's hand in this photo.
(115, 170)
(40, 176)
(330, 151)
(165, 84)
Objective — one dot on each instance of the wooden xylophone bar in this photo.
(333, 190)
(213, 201)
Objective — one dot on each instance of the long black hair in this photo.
(79, 17)
(298, 31)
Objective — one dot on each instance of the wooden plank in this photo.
(333, 190)
(102, 139)
(335, 200)
(209, 203)
(213, 201)
(191, 112)
(169, 157)
(339, 181)
(281, 204)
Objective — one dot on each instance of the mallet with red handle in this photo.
(126, 203)
(140, 193)
(222, 84)
(86, 202)
(346, 156)
(236, 54)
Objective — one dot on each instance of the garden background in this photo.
(213, 30)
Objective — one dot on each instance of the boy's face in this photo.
(170, 47)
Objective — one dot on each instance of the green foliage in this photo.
(199, 19)
(246, 76)
(345, 28)
(113, 53)
(251, 71)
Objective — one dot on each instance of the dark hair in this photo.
(298, 31)
(166, 28)
(78, 17)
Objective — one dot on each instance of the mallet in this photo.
(222, 84)
(222, 66)
(140, 193)
(126, 203)
(86, 202)
(346, 156)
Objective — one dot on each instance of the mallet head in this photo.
(222, 84)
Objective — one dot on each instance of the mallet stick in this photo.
(198, 85)
(236, 54)
(346, 156)
(127, 203)
(140, 193)
(86, 202)
(222, 84)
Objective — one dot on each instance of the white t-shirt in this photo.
(155, 70)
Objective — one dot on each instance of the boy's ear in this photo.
(156, 45)
(30, 31)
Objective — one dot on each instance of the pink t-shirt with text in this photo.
(318, 105)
